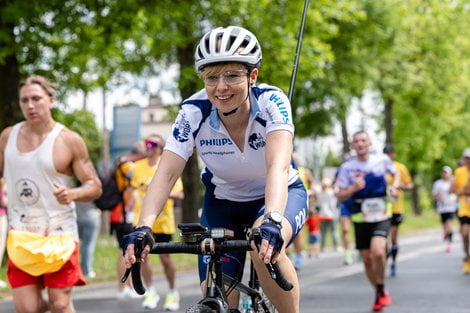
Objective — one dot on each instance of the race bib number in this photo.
(374, 210)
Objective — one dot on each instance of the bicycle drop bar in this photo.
(135, 270)
(273, 269)
(204, 246)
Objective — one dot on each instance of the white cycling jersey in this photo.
(230, 173)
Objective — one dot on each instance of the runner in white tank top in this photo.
(31, 175)
(38, 158)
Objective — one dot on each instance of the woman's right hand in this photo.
(137, 245)
(271, 243)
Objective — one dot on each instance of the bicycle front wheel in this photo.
(200, 308)
(265, 306)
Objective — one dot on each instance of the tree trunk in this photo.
(9, 80)
(388, 121)
(85, 103)
(345, 136)
(191, 173)
(415, 194)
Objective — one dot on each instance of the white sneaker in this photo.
(128, 293)
(91, 275)
(151, 299)
(172, 301)
(123, 293)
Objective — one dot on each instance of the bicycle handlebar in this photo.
(204, 246)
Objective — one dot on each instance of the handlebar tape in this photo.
(136, 279)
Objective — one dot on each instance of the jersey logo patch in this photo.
(215, 142)
(182, 130)
(256, 141)
(27, 191)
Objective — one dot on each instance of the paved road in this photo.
(428, 281)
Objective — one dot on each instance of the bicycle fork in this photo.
(215, 296)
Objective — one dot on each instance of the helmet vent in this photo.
(230, 44)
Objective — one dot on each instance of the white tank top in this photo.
(29, 177)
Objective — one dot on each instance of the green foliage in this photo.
(332, 160)
(422, 74)
(414, 53)
(83, 123)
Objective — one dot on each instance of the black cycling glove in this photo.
(140, 237)
(272, 233)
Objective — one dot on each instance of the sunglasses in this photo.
(150, 144)
(229, 78)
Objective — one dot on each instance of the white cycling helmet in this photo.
(230, 44)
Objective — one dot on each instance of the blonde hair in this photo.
(38, 80)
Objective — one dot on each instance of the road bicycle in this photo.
(215, 243)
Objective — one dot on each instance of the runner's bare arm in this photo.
(83, 170)
(3, 142)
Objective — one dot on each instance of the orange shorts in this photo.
(69, 275)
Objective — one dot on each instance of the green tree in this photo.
(422, 82)
(177, 41)
(82, 45)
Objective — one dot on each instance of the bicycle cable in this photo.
(234, 282)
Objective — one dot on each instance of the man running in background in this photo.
(362, 179)
(446, 203)
(398, 205)
(345, 222)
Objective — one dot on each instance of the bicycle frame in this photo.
(252, 290)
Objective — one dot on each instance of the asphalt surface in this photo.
(428, 280)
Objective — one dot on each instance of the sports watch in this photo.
(273, 217)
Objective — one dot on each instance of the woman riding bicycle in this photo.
(243, 132)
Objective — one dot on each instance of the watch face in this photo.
(276, 217)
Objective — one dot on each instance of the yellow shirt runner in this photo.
(398, 206)
(141, 177)
(461, 180)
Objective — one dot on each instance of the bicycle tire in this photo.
(200, 308)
